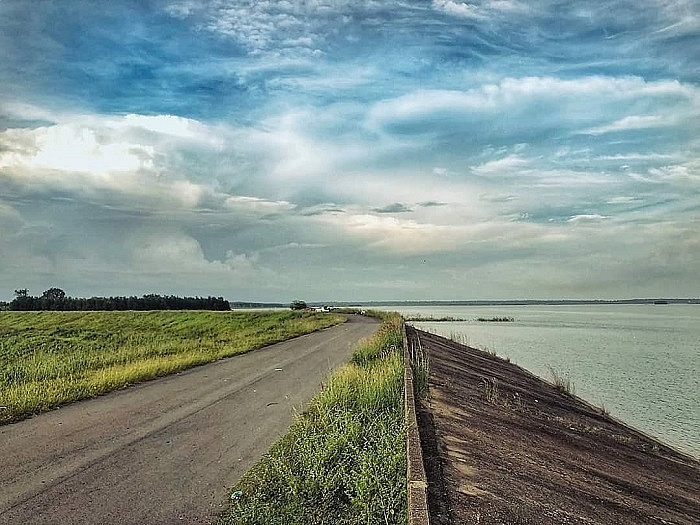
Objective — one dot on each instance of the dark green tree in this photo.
(54, 293)
(24, 301)
(298, 305)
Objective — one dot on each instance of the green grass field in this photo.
(51, 358)
(344, 460)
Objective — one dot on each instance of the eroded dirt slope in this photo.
(503, 446)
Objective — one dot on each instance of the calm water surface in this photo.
(641, 362)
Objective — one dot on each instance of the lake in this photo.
(640, 362)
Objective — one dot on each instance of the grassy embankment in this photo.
(52, 358)
(344, 460)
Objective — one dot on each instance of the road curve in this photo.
(165, 451)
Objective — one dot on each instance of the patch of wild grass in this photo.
(420, 366)
(561, 383)
(344, 460)
(460, 338)
(491, 390)
(52, 358)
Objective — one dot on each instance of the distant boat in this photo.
(661, 301)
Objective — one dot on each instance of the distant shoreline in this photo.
(517, 302)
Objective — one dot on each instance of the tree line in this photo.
(56, 299)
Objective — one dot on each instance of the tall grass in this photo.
(52, 358)
(344, 460)
(420, 365)
(561, 383)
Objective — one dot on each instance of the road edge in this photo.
(417, 483)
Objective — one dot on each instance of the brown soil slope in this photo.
(502, 446)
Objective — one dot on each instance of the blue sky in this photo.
(351, 150)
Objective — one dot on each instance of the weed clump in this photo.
(561, 383)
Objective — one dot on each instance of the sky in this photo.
(351, 150)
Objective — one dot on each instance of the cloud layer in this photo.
(351, 150)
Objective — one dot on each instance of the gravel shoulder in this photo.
(503, 446)
(164, 451)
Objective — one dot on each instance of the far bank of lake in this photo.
(640, 362)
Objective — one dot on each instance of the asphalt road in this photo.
(165, 451)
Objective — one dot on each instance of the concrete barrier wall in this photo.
(417, 480)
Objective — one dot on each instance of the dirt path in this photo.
(504, 447)
(164, 451)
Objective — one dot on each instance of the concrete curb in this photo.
(415, 475)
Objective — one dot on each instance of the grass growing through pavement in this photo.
(344, 460)
(52, 358)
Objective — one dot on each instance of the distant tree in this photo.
(24, 301)
(298, 305)
(54, 293)
(56, 299)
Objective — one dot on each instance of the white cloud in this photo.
(504, 166)
(640, 157)
(682, 18)
(682, 174)
(398, 236)
(71, 148)
(131, 155)
(242, 264)
(587, 217)
(264, 27)
(23, 110)
(498, 198)
(258, 205)
(180, 256)
(183, 8)
(633, 122)
(584, 99)
(624, 199)
(168, 126)
(483, 10)
(161, 249)
(459, 9)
